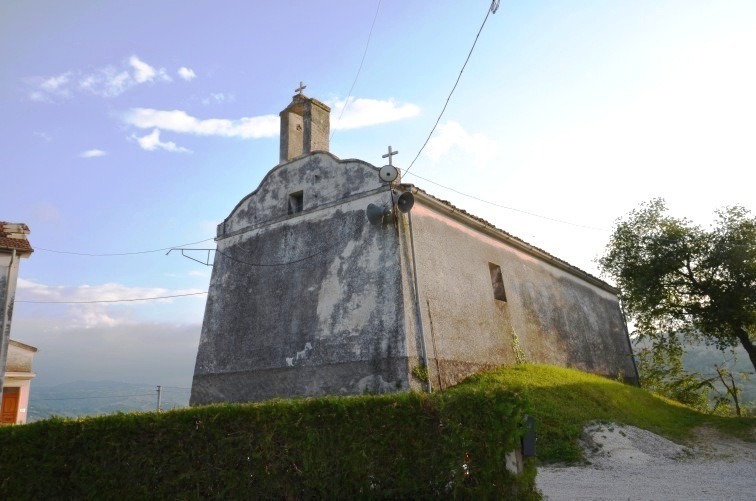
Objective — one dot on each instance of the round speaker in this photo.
(388, 173)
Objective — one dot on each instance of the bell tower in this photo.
(305, 126)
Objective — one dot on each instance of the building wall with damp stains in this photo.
(557, 314)
(308, 303)
(321, 302)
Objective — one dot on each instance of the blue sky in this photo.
(134, 126)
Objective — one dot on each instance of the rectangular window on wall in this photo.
(497, 283)
(296, 202)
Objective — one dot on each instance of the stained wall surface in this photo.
(307, 303)
(554, 315)
(308, 298)
(20, 357)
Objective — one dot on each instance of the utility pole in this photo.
(160, 396)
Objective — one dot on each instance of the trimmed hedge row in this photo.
(372, 446)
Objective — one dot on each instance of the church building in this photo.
(335, 278)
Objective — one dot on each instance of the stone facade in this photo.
(309, 298)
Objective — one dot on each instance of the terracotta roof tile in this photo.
(15, 243)
(13, 236)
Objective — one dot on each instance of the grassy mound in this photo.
(564, 400)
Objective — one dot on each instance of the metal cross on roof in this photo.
(390, 154)
(302, 87)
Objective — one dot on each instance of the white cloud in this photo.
(364, 112)
(43, 136)
(41, 97)
(149, 352)
(143, 72)
(56, 84)
(180, 121)
(151, 142)
(45, 212)
(45, 88)
(92, 153)
(186, 73)
(108, 81)
(360, 113)
(218, 97)
(452, 135)
(97, 314)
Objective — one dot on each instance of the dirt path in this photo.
(627, 463)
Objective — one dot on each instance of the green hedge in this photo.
(404, 445)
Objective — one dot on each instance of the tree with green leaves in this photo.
(677, 277)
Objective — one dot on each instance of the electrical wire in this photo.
(346, 103)
(309, 256)
(113, 300)
(508, 208)
(34, 400)
(121, 253)
(271, 265)
(492, 9)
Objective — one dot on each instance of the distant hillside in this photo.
(702, 358)
(91, 398)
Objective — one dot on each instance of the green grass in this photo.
(564, 400)
(410, 445)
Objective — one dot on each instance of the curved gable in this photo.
(301, 185)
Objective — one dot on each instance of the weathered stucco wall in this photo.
(308, 298)
(20, 358)
(308, 303)
(558, 318)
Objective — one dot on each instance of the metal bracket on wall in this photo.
(206, 262)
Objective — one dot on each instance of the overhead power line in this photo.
(508, 208)
(492, 10)
(34, 400)
(346, 103)
(114, 300)
(121, 253)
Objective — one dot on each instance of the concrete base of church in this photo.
(349, 378)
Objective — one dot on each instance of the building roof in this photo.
(21, 345)
(508, 237)
(13, 237)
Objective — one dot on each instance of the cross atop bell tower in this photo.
(305, 126)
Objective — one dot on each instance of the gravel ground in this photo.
(627, 463)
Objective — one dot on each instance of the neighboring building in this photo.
(309, 298)
(17, 383)
(13, 247)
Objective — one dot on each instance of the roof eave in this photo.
(492, 231)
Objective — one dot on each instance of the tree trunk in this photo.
(732, 390)
(745, 340)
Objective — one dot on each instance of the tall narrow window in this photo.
(497, 282)
(296, 202)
